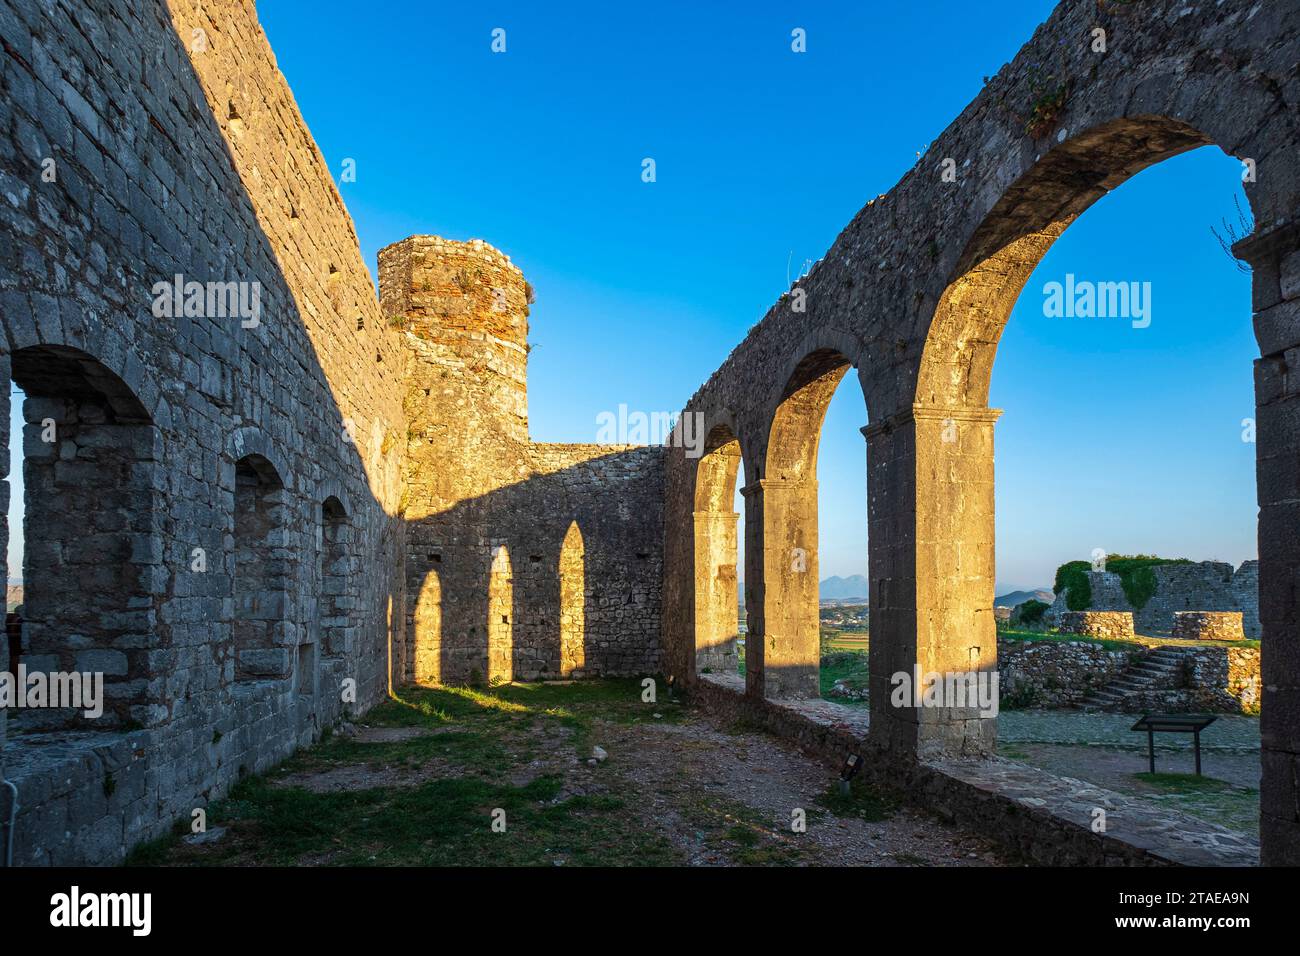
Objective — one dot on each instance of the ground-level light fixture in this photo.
(852, 764)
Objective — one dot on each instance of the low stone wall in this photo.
(1208, 626)
(1115, 625)
(1054, 673)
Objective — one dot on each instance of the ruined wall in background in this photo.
(1194, 586)
(524, 560)
(177, 150)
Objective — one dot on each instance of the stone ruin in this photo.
(1208, 626)
(1115, 625)
(1211, 586)
(274, 496)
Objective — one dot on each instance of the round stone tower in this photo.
(462, 311)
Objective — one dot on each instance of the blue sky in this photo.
(1112, 437)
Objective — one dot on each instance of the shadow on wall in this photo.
(176, 520)
(542, 579)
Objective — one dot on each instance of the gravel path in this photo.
(688, 774)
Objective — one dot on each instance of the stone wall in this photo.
(524, 560)
(1208, 626)
(138, 142)
(1054, 673)
(1218, 680)
(1192, 586)
(236, 482)
(1114, 625)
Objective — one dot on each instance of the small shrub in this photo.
(1032, 611)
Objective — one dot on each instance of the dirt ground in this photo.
(421, 780)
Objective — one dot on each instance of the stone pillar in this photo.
(931, 564)
(782, 646)
(717, 595)
(1275, 258)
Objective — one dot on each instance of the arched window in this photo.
(92, 570)
(573, 612)
(262, 641)
(500, 623)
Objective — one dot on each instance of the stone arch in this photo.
(328, 488)
(251, 442)
(716, 586)
(94, 576)
(1014, 235)
(781, 566)
(796, 423)
(947, 434)
(50, 322)
(573, 612)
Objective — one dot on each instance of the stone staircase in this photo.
(1154, 671)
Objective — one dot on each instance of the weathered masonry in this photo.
(260, 506)
(1180, 587)
(523, 560)
(258, 503)
(913, 296)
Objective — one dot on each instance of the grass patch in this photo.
(1206, 798)
(482, 734)
(849, 666)
(745, 836)
(445, 822)
(1139, 643)
(862, 801)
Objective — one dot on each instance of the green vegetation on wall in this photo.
(1136, 576)
(1072, 578)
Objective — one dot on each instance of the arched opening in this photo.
(573, 615)
(338, 600)
(262, 573)
(500, 664)
(1125, 347)
(717, 554)
(92, 571)
(783, 646)
(1173, 482)
(427, 630)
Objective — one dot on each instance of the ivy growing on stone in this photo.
(1136, 576)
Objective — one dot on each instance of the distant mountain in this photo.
(834, 588)
(838, 588)
(1020, 597)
